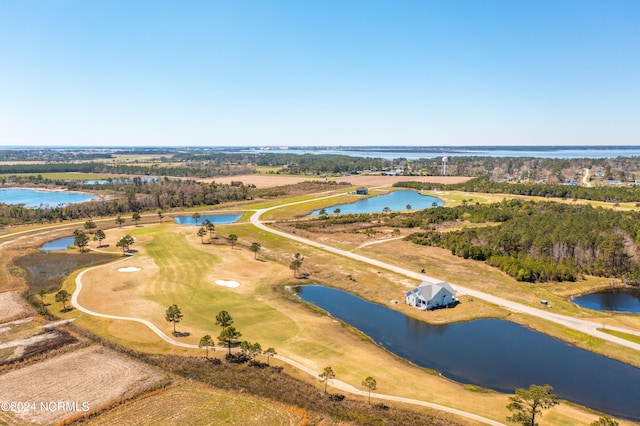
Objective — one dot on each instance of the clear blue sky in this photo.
(322, 72)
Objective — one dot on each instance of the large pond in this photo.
(36, 198)
(216, 219)
(491, 353)
(59, 244)
(396, 200)
(621, 300)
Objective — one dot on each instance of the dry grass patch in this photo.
(12, 306)
(197, 404)
(269, 181)
(92, 375)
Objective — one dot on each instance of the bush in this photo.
(237, 358)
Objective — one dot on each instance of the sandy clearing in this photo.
(93, 375)
(11, 305)
(130, 269)
(268, 181)
(225, 283)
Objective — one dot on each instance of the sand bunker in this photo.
(130, 269)
(225, 283)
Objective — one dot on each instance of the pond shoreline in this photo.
(548, 358)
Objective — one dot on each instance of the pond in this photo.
(396, 200)
(216, 219)
(491, 353)
(59, 244)
(34, 198)
(619, 300)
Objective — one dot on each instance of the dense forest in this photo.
(484, 185)
(538, 242)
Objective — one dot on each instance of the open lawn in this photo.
(197, 404)
(177, 268)
(92, 376)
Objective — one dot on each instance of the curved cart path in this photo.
(345, 387)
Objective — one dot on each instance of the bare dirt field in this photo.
(268, 181)
(12, 306)
(83, 381)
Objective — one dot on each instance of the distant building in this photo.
(431, 296)
(362, 191)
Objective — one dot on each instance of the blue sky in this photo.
(349, 72)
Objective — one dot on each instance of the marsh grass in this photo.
(46, 270)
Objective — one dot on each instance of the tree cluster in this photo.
(539, 242)
(164, 194)
(484, 185)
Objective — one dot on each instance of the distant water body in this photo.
(415, 153)
(33, 198)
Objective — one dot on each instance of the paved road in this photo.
(584, 326)
(342, 386)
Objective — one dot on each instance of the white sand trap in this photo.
(225, 283)
(130, 269)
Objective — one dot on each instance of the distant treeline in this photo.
(538, 242)
(163, 194)
(482, 184)
(36, 154)
(187, 169)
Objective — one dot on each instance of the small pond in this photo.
(396, 200)
(34, 198)
(619, 300)
(59, 244)
(491, 353)
(216, 219)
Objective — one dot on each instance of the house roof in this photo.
(428, 290)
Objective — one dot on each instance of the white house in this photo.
(431, 296)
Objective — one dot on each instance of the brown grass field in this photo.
(192, 403)
(12, 306)
(93, 375)
(268, 181)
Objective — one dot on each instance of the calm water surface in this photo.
(491, 353)
(621, 300)
(59, 244)
(396, 200)
(390, 153)
(216, 219)
(34, 198)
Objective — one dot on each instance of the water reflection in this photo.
(619, 300)
(396, 200)
(491, 353)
